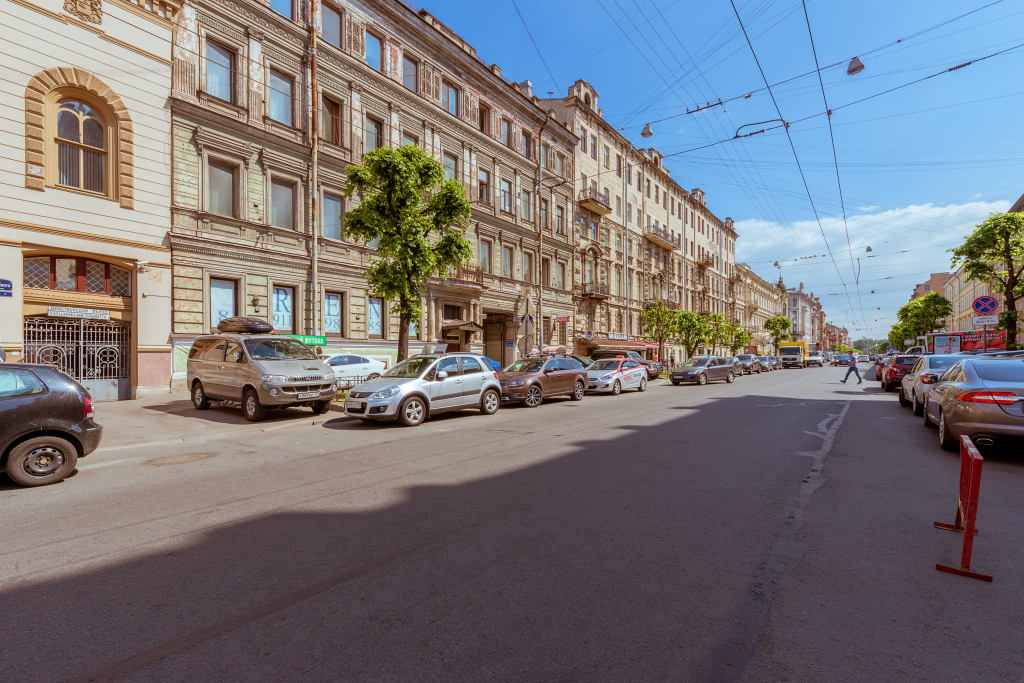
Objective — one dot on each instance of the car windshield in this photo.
(762, 358)
(1000, 372)
(844, 357)
(790, 350)
(278, 349)
(411, 367)
(609, 364)
(695, 363)
(745, 356)
(526, 365)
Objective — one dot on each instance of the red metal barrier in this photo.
(966, 508)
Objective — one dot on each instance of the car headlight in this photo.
(386, 393)
(605, 378)
(275, 378)
(516, 383)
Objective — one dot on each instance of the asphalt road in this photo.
(775, 529)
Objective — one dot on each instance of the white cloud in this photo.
(907, 244)
(868, 208)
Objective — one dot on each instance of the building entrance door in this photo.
(96, 353)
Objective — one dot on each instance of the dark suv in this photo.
(45, 423)
(533, 379)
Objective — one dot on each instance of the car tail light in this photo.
(496, 376)
(87, 405)
(929, 379)
(1003, 398)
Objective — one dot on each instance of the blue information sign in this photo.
(6, 288)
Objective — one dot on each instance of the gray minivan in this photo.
(259, 371)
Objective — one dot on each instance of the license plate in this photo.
(309, 394)
(354, 405)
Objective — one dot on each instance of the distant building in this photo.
(804, 311)
(934, 283)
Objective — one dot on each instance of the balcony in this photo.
(706, 262)
(463, 278)
(594, 290)
(595, 201)
(662, 237)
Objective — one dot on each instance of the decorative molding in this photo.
(80, 235)
(210, 139)
(86, 10)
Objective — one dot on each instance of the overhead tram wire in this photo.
(535, 46)
(793, 147)
(835, 158)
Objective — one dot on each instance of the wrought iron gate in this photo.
(94, 352)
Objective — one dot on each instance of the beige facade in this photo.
(961, 292)
(84, 217)
(756, 301)
(806, 314)
(836, 336)
(386, 76)
(934, 283)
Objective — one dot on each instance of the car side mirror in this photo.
(929, 379)
(547, 370)
(442, 374)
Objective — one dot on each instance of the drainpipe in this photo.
(314, 183)
(540, 236)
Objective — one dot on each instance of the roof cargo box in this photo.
(241, 325)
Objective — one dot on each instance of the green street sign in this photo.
(308, 341)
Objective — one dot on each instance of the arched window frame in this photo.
(99, 110)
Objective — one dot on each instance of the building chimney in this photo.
(526, 87)
(495, 69)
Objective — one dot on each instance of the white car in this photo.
(350, 366)
(615, 374)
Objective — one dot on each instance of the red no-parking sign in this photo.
(986, 304)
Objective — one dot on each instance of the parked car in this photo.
(495, 365)
(926, 371)
(425, 385)
(894, 369)
(737, 365)
(351, 366)
(531, 380)
(703, 369)
(815, 358)
(766, 363)
(979, 398)
(749, 363)
(46, 423)
(260, 371)
(843, 360)
(775, 362)
(582, 360)
(615, 374)
(654, 368)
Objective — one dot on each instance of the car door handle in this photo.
(220, 367)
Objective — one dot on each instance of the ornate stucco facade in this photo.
(757, 300)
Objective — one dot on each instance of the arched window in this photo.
(75, 274)
(81, 147)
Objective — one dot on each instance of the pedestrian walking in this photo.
(853, 369)
(672, 359)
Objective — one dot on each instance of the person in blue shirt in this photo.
(853, 369)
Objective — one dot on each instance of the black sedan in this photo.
(750, 363)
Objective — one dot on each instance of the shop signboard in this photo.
(308, 340)
(80, 313)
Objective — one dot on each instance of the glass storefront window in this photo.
(283, 307)
(222, 301)
(332, 314)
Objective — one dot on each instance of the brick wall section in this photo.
(187, 300)
(186, 168)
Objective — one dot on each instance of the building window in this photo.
(222, 301)
(607, 157)
(506, 196)
(526, 205)
(332, 314)
(219, 71)
(279, 104)
(527, 266)
(484, 184)
(450, 98)
(648, 189)
(583, 139)
(560, 165)
(282, 7)
(282, 204)
(618, 165)
(544, 156)
(330, 121)
(545, 272)
(451, 165)
(618, 242)
(525, 145)
(559, 220)
(561, 275)
(331, 25)
(373, 133)
(657, 196)
(618, 283)
(68, 274)
(220, 187)
(506, 133)
(331, 209)
(544, 213)
(374, 319)
(410, 73)
(506, 261)
(410, 140)
(283, 307)
(81, 147)
(485, 256)
(451, 312)
(484, 114)
(589, 272)
(373, 52)
(593, 146)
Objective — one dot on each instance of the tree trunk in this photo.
(403, 333)
(1010, 299)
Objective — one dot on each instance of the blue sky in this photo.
(919, 166)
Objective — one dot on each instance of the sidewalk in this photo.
(171, 417)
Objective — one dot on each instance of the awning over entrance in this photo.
(467, 325)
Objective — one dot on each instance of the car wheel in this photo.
(675, 382)
(581, 389)
(759, 370)
(927, 419)
(702, 378)
(643, 385)
(730, 378)
(321, 407)
(903, 399)
(533, 397)
(490, 402)
(412, 412)
(915, 406)
(42, 460)
(947, 440)
(616, 388)
(373, 375)
(254, 412)
(199, 399)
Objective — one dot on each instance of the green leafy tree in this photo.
(739, 337)
(924, 314)
(897, 336)
(657, 322)
(994, 253)
(719, 329)
(778, 328)
(417, 217)
(691, 330)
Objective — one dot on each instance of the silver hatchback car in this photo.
(425, 385)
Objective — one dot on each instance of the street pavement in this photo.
(774, 529)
